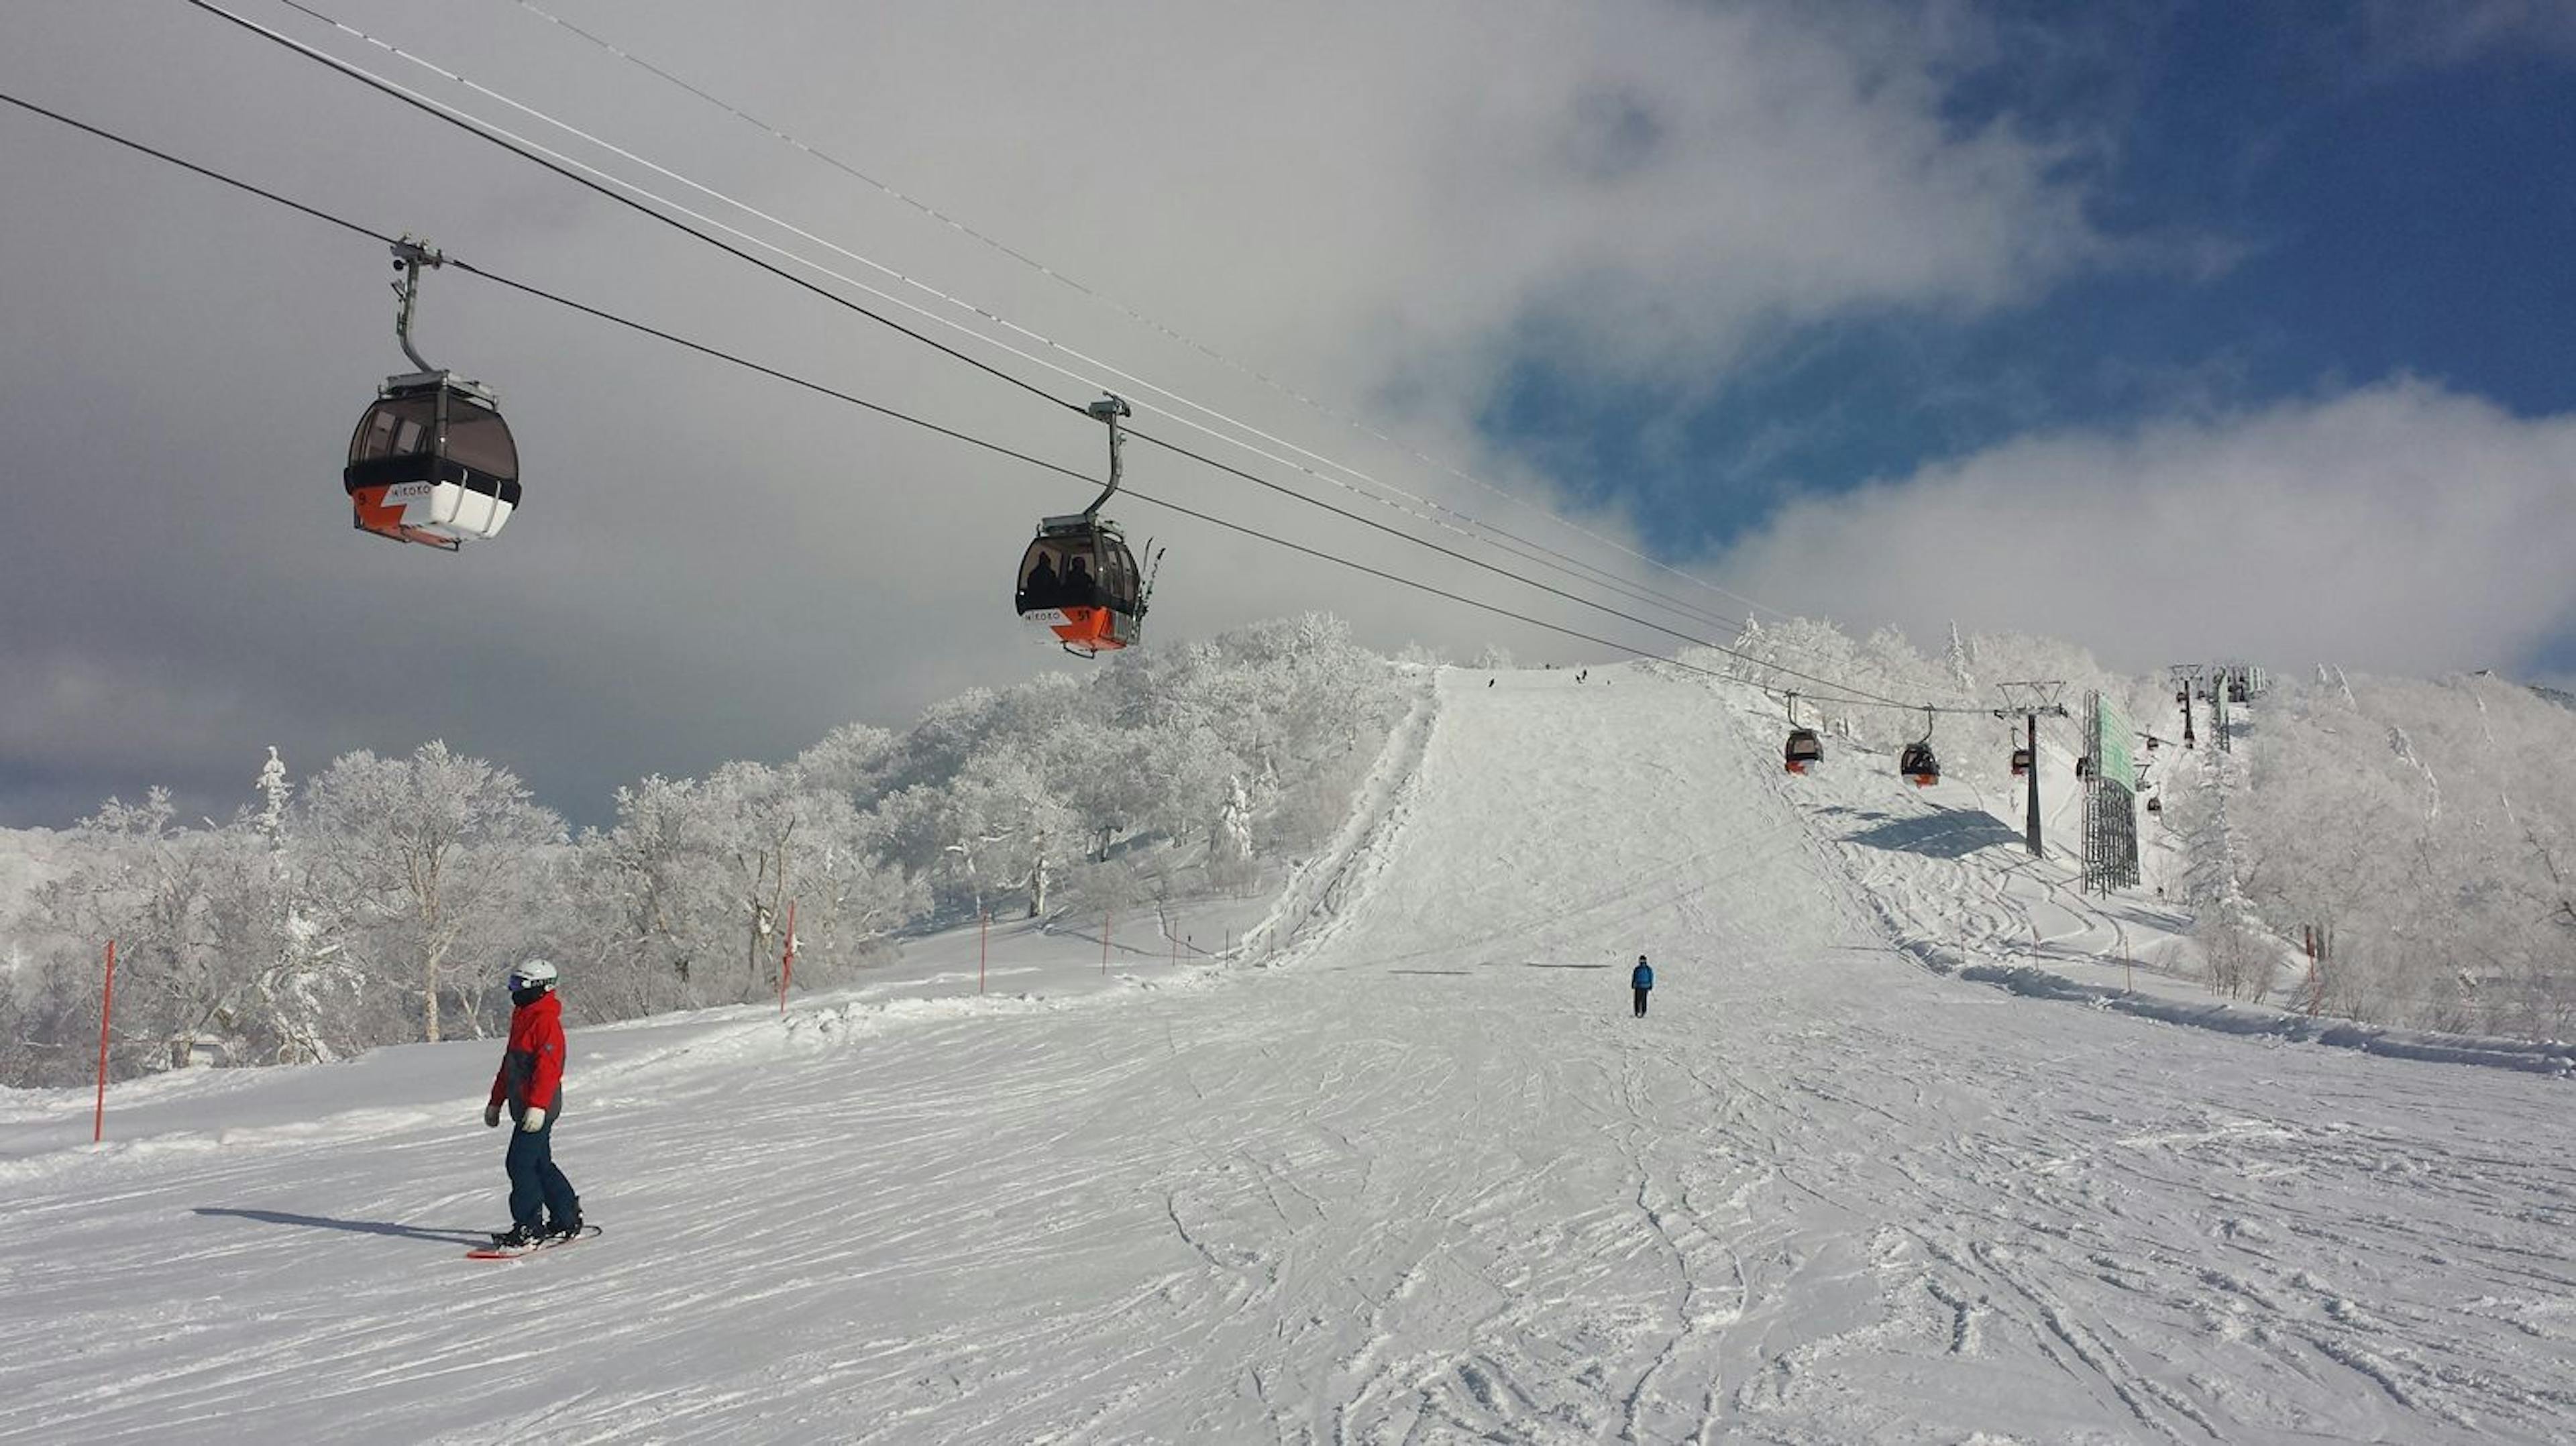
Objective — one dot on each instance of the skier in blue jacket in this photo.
(1641, 980)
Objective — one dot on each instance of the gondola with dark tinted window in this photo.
(2020, 762)
(432, 461)
(1804, 749)
(1077, 578)
(1917, 761)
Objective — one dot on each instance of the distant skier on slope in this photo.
(1641, 981)
(530, 1084)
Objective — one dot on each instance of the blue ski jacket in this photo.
(1641, 977)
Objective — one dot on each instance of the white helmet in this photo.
(533, 974)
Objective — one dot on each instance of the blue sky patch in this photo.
(2291, 208)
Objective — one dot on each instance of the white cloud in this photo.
(2401, 528)
(1373, 191)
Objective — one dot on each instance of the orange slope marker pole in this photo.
(106, 1011)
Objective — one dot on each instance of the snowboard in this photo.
(496, 1252)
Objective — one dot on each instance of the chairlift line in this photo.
(615, 189)
(961, 227)
(735, 359)
(556, 160)
(564, 167)
(610, 188)
(1211, 519)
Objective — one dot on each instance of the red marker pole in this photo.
(106, 1011)
(1108, 922)
(787, 961)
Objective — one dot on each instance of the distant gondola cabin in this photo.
(1919, 763)
(1804, 750)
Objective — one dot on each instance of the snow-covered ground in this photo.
(1420, 1178)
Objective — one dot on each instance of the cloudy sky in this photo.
(2179, 329)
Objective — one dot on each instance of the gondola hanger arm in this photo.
(1109, 409)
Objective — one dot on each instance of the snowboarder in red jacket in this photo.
(530, 1085)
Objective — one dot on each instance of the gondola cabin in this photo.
(1918, 763)
(1078, 581)
(2020, 762)
(2155, 803)
(1805, 750)
(432, 462)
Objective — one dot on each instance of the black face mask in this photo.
(528, 995)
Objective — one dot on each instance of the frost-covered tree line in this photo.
(379, 900)
(2427, 828)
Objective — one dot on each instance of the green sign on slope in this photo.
(2111, 747)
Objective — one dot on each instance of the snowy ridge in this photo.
(2538, 1057)
(1322, 885)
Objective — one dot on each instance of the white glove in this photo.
(491, 1117)
(533, 1121)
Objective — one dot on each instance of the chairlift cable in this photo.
(613, 189)
(591, 178)
(1133, 314)
(1863, 698)
(511, 140)
(1259, 481)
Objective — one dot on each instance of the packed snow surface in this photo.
(1422, 1178)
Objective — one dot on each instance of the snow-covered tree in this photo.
(306, 992)
(150, 884)
(1230, 839)
(382, 900)
(424, 848)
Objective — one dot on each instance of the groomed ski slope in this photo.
(1424, 1179)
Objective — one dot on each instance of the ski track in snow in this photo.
(1423, 1181)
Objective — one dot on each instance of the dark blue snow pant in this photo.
(537, 1188)
(1641, 1001)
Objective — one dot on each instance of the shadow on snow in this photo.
(1947, 834)
(364, 1227)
